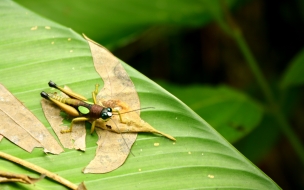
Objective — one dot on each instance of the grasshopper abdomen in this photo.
(86, 109)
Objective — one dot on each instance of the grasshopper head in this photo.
(106, 113)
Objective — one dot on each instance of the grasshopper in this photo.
(78, 106)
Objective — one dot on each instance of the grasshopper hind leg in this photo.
(70, 93)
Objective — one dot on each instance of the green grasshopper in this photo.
(78, 106)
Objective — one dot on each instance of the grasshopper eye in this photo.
(106, 113)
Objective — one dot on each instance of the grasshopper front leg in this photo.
(120, 118)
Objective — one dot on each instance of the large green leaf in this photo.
(200, 158)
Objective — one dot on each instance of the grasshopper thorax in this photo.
(106, 113)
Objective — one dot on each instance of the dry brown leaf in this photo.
(12, 177)
(75, 139)
(21, 127)
(112, 150)
(118, 92)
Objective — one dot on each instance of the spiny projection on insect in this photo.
(78, 107)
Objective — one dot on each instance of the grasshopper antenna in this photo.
(123, 137)
(136, 110)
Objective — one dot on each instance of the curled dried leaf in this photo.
(13, 177)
